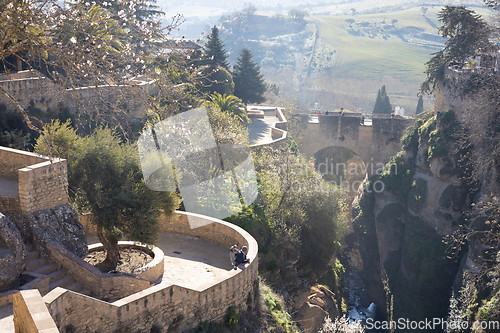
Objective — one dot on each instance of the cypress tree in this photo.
(382, 103)
(215, 54)
(378, 103)
(420, 104)
(249, 84)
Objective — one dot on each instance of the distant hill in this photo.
(334, 59)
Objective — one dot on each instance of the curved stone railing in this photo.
(168, 307)
(150, 272)
(103, 285)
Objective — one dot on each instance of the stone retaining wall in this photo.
(168, 307)
(102, 285)
(32, 89)
(42, 182)
(8, 205)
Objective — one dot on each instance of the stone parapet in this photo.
(30, 313)
(282, 124)
(11, 160)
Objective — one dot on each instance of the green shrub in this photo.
(274, 305)
(427, 127)
(333, 279)
(445, 118)
(490, 311)
(231, 318)
(417, 195)
(409, 140)
(397, 175)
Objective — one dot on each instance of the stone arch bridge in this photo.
(375, 144)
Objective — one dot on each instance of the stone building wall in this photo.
(35, 92)
(42, 182)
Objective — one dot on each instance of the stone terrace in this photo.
(268, 128)
(189, 260)
(198, 284)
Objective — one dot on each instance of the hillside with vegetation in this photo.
(443, 185)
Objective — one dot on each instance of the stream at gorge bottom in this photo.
(359, 306)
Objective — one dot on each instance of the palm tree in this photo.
(231, 104)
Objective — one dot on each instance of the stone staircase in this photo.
(58, 276)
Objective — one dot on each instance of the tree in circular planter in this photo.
(105, 179)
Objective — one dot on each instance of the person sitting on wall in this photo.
(232, 255)
(241, 257)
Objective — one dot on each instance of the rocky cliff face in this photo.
(13, 253)
(59, 224)
(401, 217)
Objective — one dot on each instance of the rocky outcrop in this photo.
(57, 225)
(13, 253)
(313, 306)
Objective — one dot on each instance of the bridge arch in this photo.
(373, 144)
(341, 166)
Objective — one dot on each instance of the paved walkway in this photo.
(9, 187)
(6, 319)
(259, 131)
(189, 261)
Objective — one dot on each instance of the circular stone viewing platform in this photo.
(189, 260)
(198, 283)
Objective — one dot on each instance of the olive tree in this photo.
(105, 179)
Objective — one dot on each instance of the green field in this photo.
(347, 62)
(364, 53)
(372, 52)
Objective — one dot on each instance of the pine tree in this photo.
(420, 105)
(382, 103)
(215, 54)
(249, 84)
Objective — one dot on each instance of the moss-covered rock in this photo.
(418, 194)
